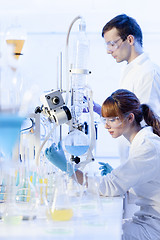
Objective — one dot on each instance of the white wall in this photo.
(47, 23)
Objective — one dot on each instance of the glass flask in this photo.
(20, 196)
(8, 166)
(76, 143)
(90, 204)
(15, 38)
(10, 120)
(10, 127)
(60, 208)
(27, 195)
(2, 189)
(11, 214)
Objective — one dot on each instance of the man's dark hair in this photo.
(125, 26)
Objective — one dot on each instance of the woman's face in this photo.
(115, 126)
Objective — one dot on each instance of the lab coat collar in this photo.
(137, 61)
(143, 131)
(140, 59)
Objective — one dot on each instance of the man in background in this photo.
(124, 41)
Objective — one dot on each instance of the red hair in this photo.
(123, 102)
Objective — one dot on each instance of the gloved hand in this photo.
(96, 107)
(57, 157)
(106, 168)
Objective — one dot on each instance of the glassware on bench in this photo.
(13, 111)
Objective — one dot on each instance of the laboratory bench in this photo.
(89, 222)
(106, 225)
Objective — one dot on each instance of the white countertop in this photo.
(107, 225)
(87, 223)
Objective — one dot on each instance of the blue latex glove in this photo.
(106, 168)
(57, 157)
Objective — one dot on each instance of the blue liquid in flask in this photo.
(77, 150)
(10, 125)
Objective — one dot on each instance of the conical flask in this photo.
(60, 209)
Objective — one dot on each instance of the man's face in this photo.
(119, 49)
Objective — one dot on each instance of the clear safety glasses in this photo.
(111, 121)
(113, 45)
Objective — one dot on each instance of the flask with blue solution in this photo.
(76, 143)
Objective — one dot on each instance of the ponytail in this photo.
(151, 119)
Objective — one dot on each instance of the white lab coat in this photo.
(142, 77)
(141, 172)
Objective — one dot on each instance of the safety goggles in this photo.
(113, 45)
(111, 121)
